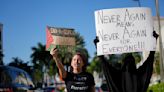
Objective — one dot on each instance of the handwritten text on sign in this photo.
(124, 30)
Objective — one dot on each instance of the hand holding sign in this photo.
(54, 52)
(96, 40)
(155, 35)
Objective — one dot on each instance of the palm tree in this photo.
(40, 58)
(40, 55)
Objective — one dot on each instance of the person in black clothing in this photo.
(77, 80)
(128, 78)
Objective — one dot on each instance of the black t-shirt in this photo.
(79, 82)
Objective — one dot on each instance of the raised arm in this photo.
(102, 57)
(62, 71)
(145, 71)
(112, 75)
(148, 64)
(150, 58)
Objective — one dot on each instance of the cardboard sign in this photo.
(59, 37)
(124, 30)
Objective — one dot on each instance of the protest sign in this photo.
(60, 37)
(124, 30)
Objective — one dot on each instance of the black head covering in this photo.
(129, 63)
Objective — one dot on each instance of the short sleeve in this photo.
(91, 80)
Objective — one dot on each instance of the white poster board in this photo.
(124, 30)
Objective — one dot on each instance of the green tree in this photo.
(95, 65)
(40, 58)
(156, 88)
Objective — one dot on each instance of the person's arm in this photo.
(62, 71)
(146, 69)
(112, 74)
(150, 58)
(102, 57)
